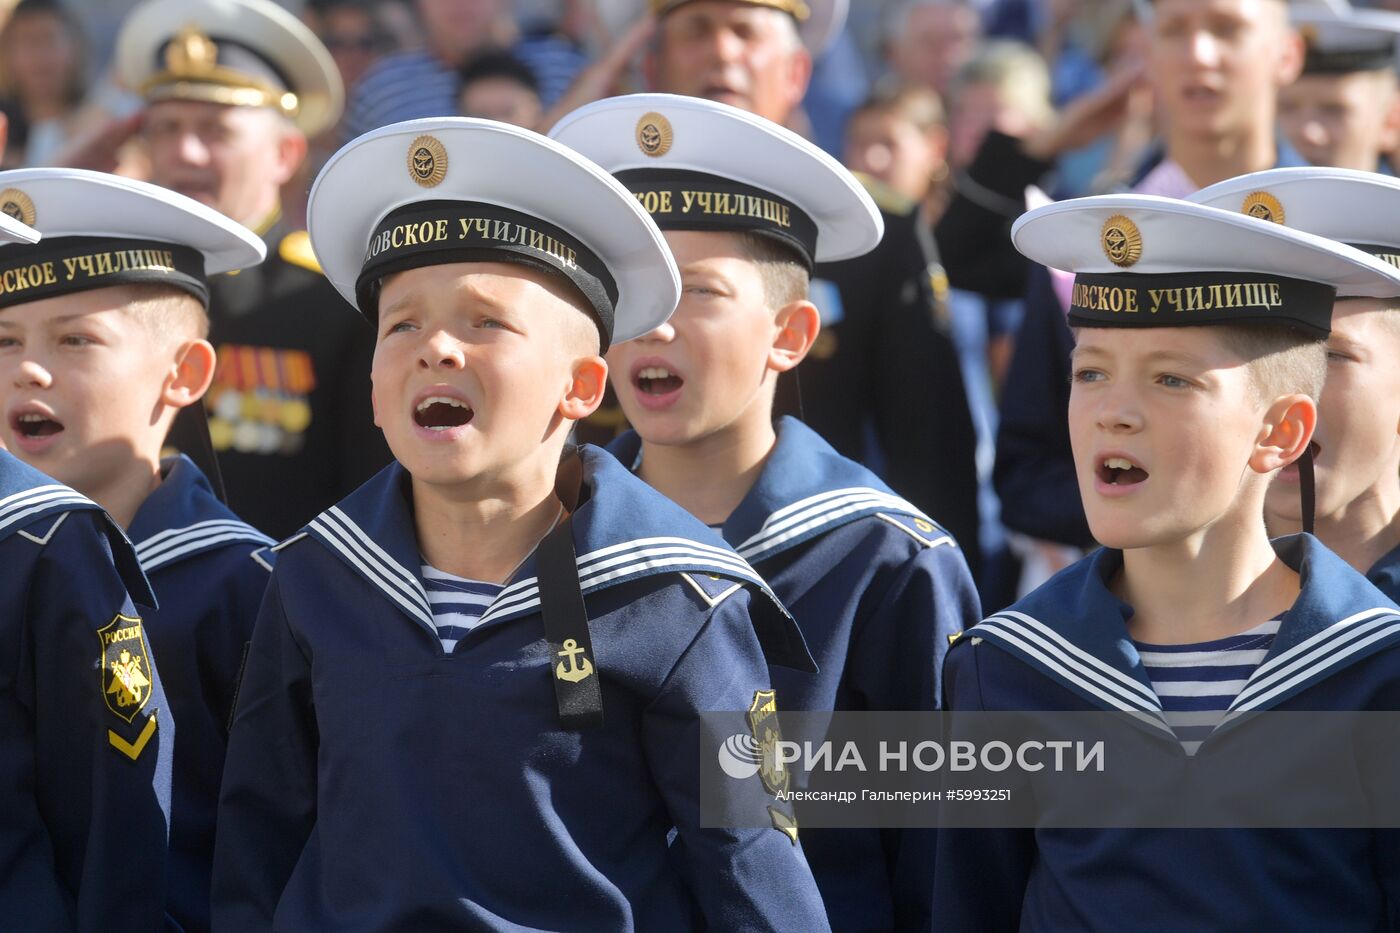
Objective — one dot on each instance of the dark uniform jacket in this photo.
(209, 570)
(289, 408)
(375, 782)
(1066, 647)
(877, 589)
(883, 384)
(87, 732)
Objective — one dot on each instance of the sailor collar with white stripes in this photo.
(183, 518)
(622, 530)
(804, 490)
(1074, 630)
(33, 506)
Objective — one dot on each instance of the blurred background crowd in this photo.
(948, 109)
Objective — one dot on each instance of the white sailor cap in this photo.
(700, 165)
(1352, 207)
(101, 230)
(13, 230)
(1342, 40)
(240, 52)
(1144, 261)
(454, 189)
(819, 22)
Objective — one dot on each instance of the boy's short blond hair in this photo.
(1281, 361)
(785, 277)
(168, 313)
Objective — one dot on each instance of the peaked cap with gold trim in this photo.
(1352, 207)
(1145, 261)
(819, 22)
(455, 189)
(237, 52)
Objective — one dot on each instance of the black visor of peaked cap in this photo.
(1199, 298)
(62, 265)
(1378, 57)
(430, 233)
(681, 199)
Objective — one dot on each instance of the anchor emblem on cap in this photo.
(654, 134)
(427, 161)
(1121, 240)
(573, 668)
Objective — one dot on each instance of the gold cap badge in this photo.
(1122, 243)
(1264, 206)
(654, 134)
(191, 52)
(18, 205)
(427, 161)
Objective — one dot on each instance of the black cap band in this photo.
(430, 233)
(1339, 62)
(230, 55)
(1200, 298)
(66, 264)
(1390, 254)
(680, 199)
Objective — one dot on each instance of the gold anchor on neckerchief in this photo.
(572, 668)
(577, 683)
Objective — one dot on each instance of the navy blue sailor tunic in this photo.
(86, 730)
(1066, 647)
(878, 590)
(209, 570)
(376, 782)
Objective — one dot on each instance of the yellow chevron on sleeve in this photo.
(133, 750)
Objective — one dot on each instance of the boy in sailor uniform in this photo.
(472, 697)
(877, 587)
(1190, 389)
(96, 361)
(87, 732)
(1357, 443)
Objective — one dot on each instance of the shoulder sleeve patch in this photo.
(922, 530)
(42, 540)
(712, 589)
(295, 248)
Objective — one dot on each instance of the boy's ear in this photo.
(1287, 431)
(1291, 53)
(584, 393)
(799, 323)
(192, 374)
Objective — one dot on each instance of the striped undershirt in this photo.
(458, 603)
(1197, 683)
